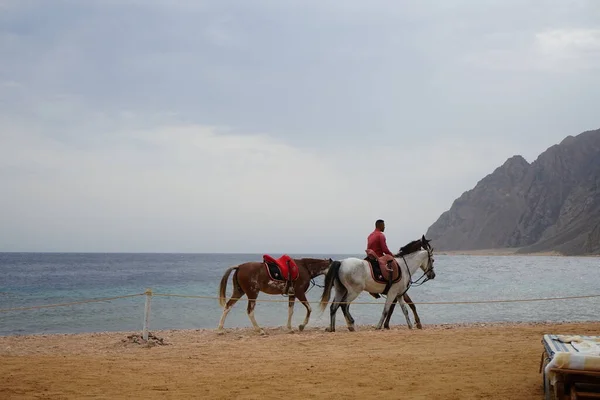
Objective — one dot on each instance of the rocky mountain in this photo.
(552, 204)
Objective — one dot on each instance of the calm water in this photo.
(28, 279)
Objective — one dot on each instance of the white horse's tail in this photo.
(330, 278)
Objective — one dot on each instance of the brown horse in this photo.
(251, 278)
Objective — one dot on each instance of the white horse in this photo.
(351, 276)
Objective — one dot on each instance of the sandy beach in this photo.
(491, 361)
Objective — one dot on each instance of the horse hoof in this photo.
(386, 327)
(351, 329)
(220, 333)
(329, 330)
(419, 326)
(301, 328)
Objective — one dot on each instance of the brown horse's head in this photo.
(315, 266)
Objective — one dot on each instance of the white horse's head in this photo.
(427, 264)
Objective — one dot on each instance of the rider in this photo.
(376, 240)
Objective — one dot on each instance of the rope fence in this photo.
(149, 294)
(71, 303)
(379, 303)
(3, 310)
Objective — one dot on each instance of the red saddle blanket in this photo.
(382, 267)
(280, 269)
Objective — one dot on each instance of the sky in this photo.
(277, 126)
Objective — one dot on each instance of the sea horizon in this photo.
(486, 253)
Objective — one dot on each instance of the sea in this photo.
(39, 279)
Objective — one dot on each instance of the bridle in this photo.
(417, 282)
(312, 278)
(429, 268)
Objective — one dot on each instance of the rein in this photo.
(410, 281)
(312, 285)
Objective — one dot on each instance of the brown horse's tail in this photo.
(331, 276)
(223, 285)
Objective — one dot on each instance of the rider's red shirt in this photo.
(376, 242)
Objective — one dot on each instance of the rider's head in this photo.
(380, 225)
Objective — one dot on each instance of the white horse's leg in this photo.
(340, 293)
(386, 309)
(405, 311)
(353, 289)
(346, 309)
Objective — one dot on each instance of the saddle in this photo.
(384, 270)
(282, 269)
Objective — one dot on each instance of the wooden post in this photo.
(148, 294)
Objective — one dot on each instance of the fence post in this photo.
(148, 294)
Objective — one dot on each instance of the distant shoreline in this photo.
(506, 252)
(497, 252)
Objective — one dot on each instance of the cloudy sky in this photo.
(274, 126)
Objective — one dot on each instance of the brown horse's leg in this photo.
(251, 304)
(414, 310)
(408, 300)
(291, 303)
(235, 296)
(302, 297)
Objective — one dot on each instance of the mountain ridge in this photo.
(550, 204)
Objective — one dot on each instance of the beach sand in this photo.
(478, 361)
